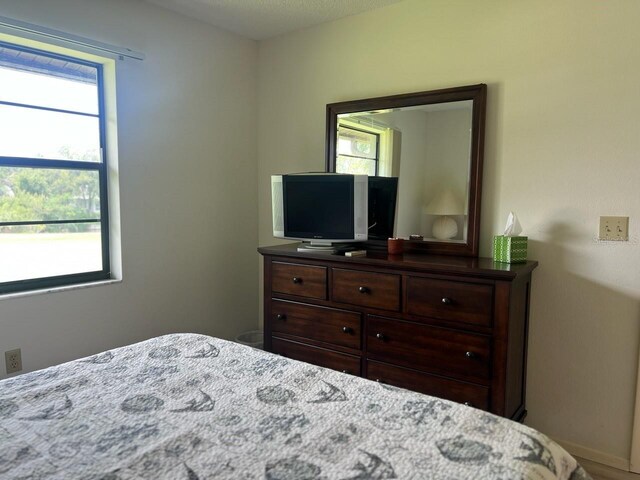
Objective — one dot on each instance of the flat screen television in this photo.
(382, 195)
(320, 208)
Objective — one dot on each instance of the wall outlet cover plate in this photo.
(13, 360)
(614, 229)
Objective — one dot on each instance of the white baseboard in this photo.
(595, 455)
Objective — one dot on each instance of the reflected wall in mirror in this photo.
(433, 142)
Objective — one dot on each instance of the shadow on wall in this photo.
(582, 366)
(492, 165)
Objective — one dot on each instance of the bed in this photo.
(193, 407)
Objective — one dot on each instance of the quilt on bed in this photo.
(193, 407)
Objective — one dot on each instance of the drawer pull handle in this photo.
(281, 316)
(296, 280)
(381, 336)
(364, 290)
(470, 355)
(468, 404)
(347, 330)
(446, 300)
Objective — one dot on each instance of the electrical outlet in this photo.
(13, 360)
(614, 228)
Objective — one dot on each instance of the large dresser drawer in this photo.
(367, 289)
(317, 356)
(323, 324)
(473, 395)
(449, 300)
(302, 280)
(443, 351)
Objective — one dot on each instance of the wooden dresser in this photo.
(452, 327)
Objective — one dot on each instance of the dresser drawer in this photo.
(329, 325)
(368, 289)
(473, 395)
(302, 280)
(437, 350)
(448, 300)
(318, 356)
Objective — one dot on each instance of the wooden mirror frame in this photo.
(476, 93)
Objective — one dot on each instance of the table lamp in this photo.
(445, 204)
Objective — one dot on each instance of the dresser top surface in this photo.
(412, 261)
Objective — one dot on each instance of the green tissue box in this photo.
(509, 249)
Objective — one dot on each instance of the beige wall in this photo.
(187, 157)
(562, 149)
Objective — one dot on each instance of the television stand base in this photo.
(312, 248)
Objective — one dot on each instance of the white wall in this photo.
(414, 146)
(561, 149)
(187, 157)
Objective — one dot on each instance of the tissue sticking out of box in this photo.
(513, 227)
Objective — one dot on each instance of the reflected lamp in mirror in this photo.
(444, 206)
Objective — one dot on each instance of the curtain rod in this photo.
(50, 33)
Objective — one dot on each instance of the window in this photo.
(357, 151)
(367, 147)
(53, 171)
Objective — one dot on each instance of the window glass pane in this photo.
(356, 143)
(28, 255)
(34, 194)
(49, 110)
(44, 81)
(25, 132)
(355, 166)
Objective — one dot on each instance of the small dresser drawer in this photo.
(448, 300)
(318, 356)
(302, 280)
(368, 289)
(473, 395)
(443, 351)
(329, 325)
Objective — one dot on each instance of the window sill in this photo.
(62, 288)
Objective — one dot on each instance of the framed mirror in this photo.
(433, 143)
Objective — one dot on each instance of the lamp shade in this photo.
(445, 203)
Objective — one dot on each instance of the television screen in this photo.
(318, 206)
(382, 207)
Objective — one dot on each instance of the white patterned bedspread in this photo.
(193, 407)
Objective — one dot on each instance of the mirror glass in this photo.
(432, 142)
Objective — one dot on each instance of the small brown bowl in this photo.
(395, 246)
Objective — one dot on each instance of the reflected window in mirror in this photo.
(358, 151)
(366, 146)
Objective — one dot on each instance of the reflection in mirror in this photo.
(428, 148)
(431, 141)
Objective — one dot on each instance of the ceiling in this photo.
(261, 19)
